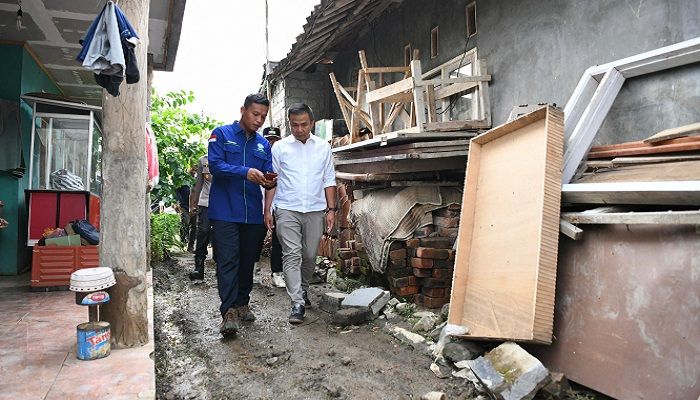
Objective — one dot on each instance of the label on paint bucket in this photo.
(93, 340)
(95, 298)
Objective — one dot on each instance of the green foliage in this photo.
(165, 228)
(181, 137)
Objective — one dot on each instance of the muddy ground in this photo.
(271, 359)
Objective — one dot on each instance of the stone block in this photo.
(447, 232)
(370, 299)
(435, 254)
(351, 316)
(434, 292)
(330, 302)
(406, 290)
(446, 222)
(421, 262)
(403, 281)
(408, 337)
(437, 242)
(399, 254)
(423, 272)
(413, 243)
(510, 372)
(443, 273)
(426, 323)
(432, 302)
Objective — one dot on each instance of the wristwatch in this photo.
(329, 209)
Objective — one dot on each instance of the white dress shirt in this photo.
(304, 171)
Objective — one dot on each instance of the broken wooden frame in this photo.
(505, 269)
(596, 91)
(414, 98)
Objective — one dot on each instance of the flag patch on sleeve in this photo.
(212, 138)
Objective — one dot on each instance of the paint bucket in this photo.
(93, 340)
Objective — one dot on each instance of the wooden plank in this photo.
(505, 271)
(641, 148)
(455, 126)
(382, 177)
(401, 86)
(418, 95)
(406, 166)
(394, 112)
(425, 183)
(402, 156)
(339, 97)
(430, 100)
(670, 171)
(484, 99)
(447, 91)
(383, 70)
(374, 108)
(402, 137)
(460, 79)
(591, 120)
(673, 133)
(618, 161)
(355, 126)
(662, 217)
(661, 193)
(569, 230)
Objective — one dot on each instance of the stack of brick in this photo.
(422, 267)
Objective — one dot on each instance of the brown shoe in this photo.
(230, 324)
(245, 314)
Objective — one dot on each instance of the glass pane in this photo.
(39, 153)
(96, 173)
(69, 154)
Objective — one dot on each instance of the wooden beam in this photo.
(569, 230)
(484, 99)
(430, 100)
(447, 91)
(662, 217)
(662, 193)
(374, 108)
(401, 86)
(591, 120)
(461, 79)
(418, 94)
(578, 102)
(396, 109)
(339, 97)
(673, 133)
(455, 126)
(384, 70)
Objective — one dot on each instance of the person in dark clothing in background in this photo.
(199, 205)
(272, 135)
(188, 227)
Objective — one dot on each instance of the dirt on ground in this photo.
(271, 359)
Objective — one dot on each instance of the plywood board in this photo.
(505, 269)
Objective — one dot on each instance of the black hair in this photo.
(298, 109)
(257, 98)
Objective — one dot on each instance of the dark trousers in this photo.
(203, 236)
(236, 247)
(276, 254)
(185, 220)
(192, 234)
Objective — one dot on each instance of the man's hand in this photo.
(258, 177)
(330, 220)
(193, 210)
(269, 221)
(273, 183)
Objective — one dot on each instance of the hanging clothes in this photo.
(108, 49)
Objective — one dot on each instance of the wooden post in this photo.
(123, 228)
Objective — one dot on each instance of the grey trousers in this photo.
(300, 235)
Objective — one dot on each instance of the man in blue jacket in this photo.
(238, 159)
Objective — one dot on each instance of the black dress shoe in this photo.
(297, 315)
(305, 295)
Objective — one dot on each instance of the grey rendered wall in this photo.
(312, 88)
(537, 51)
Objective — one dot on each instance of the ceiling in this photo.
(52, 29)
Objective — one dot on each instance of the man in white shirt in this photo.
(305, 203)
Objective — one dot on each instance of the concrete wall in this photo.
(312, 88)
(19, 74)
(537, 51)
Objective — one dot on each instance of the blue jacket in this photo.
(232, 197)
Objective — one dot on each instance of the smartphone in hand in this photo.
(270, 175)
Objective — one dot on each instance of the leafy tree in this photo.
(181, 137)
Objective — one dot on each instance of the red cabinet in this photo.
(54, 209)
(53, 265)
